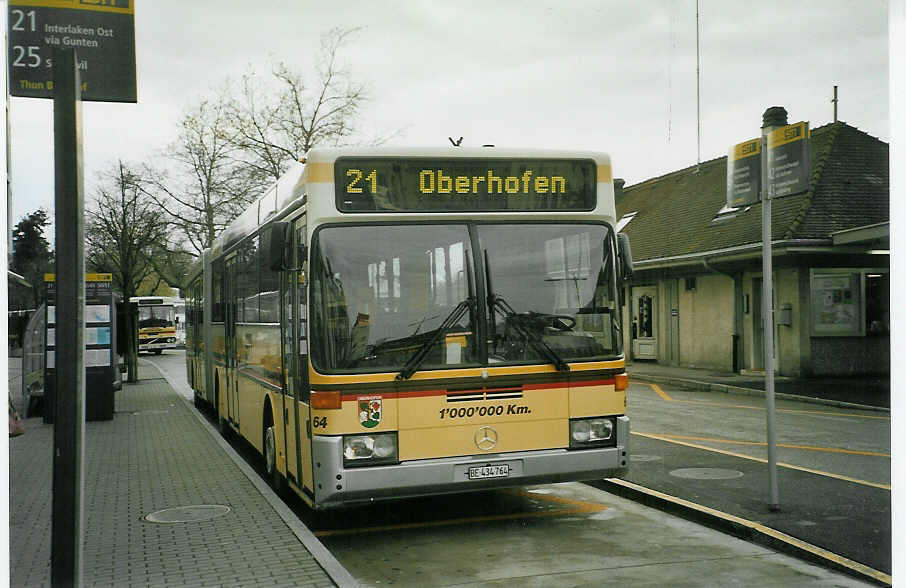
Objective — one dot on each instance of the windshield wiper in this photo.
(412, 365)
(458, 311)
(496, 302)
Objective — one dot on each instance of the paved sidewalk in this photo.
(863, 391)
(156, 454)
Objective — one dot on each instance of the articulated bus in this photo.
(388, 323)
(156, 322)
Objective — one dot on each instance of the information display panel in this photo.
(456, 184)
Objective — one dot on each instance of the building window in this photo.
(877, 303)
(625, 220)
(728, 212)
(850, 303)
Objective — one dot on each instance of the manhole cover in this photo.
(188, 514)
(635, 457)
(706, 474)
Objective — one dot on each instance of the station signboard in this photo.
(102, 33)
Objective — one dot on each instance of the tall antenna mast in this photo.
(698, 101)
(835, 103)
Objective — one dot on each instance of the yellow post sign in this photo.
(744, 173)
(788, 160)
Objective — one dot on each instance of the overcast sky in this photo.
(606, 75)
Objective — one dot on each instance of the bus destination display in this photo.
(369, 184)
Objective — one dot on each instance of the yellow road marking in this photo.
(773, 533)
(575, 507)
(667, 397)
(661, 393)
(785, 445)
(761, 460)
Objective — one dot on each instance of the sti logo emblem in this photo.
(369, 411)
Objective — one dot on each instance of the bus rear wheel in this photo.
(274, 477)
(222, 425)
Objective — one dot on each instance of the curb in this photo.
(331, 566)
(740, 391)
(741, 528)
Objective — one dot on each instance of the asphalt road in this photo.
(837, 441)
(833, 473)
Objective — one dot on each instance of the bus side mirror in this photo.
(625, 257)
(275, 237)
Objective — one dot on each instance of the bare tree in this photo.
(206, 185)
(123, 229)
(270, 133)
(231, 146)
(171, 264)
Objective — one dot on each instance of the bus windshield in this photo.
(387, 297)
(156, 316)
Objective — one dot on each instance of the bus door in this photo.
(288, 409)
(230, 339)
(297, 280)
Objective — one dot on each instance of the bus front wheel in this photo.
(274, 478)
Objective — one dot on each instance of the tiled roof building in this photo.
(698, 264)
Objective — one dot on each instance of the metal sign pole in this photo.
(767, 306)
(69, 396)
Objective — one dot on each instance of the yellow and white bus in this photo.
(387, 323)
(156, 322)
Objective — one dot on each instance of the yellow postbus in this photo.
(386, 323)
(156, 322)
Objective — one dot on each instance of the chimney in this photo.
(618, 184)
(774, 117)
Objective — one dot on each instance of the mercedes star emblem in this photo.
(486, 438)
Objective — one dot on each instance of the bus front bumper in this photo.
(156, 344)
(336, 485)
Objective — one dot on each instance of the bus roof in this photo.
(287, 194)
(330, 154)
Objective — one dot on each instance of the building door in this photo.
(758, 326)
(644, 325)
(672, 347)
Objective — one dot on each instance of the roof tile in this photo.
(849, 187)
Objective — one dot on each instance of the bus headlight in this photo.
(373, 449)
(593, 432)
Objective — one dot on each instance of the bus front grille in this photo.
(479, 394)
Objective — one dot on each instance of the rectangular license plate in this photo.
(489, 471)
